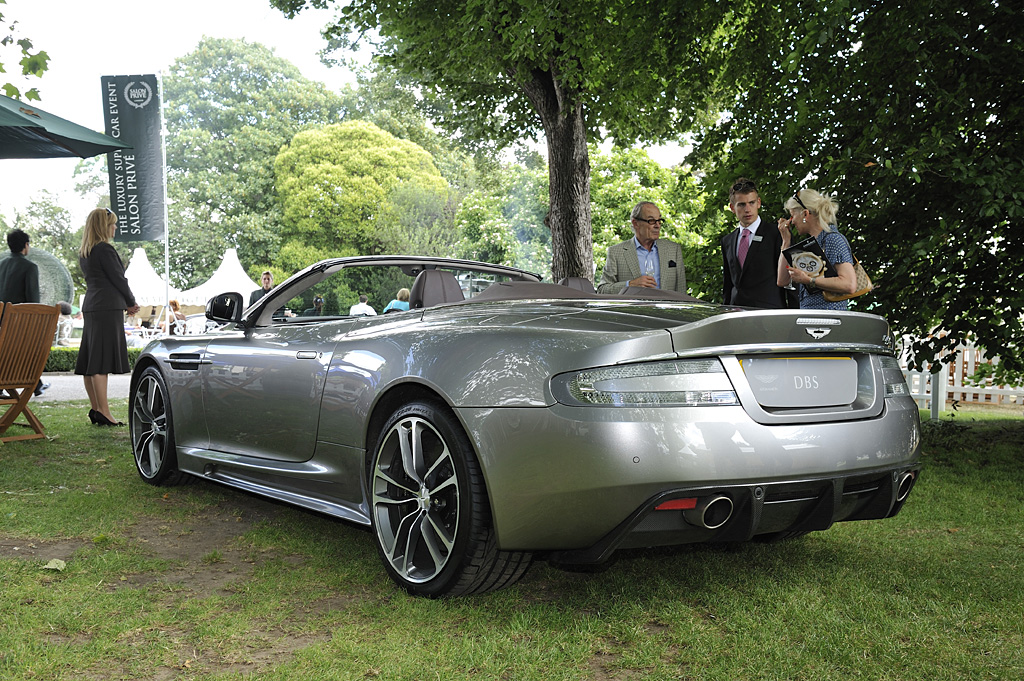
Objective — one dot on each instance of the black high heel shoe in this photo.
(92, 416)
(102, 420)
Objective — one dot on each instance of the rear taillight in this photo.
(675, 383)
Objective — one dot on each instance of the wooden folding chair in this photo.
(26, 336)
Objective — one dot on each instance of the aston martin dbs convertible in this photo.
(501, 419)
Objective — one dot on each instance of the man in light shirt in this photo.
(362, 309)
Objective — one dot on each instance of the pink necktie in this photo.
(744, 246)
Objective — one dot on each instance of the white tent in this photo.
(148, 286)
(230, 276)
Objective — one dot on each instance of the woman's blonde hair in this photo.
(822, 205)
(97, 229)
(403, 294)
(175, 305)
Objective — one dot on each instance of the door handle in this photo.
(306, 354)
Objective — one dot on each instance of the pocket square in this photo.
(671, 263)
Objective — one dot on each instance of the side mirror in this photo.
(225, 308)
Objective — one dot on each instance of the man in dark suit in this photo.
(19, 279)
(750, 253)
(19, 276)
(645, 260)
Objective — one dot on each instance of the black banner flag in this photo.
(132, 113)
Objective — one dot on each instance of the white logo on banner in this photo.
(138, 94)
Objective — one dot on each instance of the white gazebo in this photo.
(148, 286)
(230, 276)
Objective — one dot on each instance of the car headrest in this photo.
(578, 283)
(433, 287)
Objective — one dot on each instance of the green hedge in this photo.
(64, 359)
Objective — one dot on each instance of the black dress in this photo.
(107, 295)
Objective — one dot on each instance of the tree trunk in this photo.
(561, 113)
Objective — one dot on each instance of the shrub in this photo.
(63, 359)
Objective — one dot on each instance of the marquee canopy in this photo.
(230, 276)
(148, 286)
(150, 289)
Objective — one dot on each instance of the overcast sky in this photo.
(87, 39)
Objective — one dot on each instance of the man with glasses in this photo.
(750, 254)
(644, 261)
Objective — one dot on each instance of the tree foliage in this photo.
(393, 102)
(336, 182)
(30, 61)
(912, 114)
(504, 220)
(230, 106)
(51, 229)
(568, 71)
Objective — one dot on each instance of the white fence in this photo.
(926, 387)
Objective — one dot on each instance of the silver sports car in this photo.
(501, 419)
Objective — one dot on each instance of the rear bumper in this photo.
(562, 478)
(752, 509)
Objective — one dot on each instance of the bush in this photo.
(63, 359)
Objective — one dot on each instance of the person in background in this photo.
(750, 254)
(362, 308)
(19, 276)
(645, 260)
(108, 297)
(267, 280)
(814, 214)
(317, 310)
(176, 316)
(65, 325)
(19, 279)
(400, 303)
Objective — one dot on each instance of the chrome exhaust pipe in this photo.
(905, 485)
(710, 512)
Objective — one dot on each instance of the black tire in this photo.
(429, 510)
(152, 431)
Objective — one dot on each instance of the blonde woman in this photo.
(104, 350)
(814, 214)
(400, 303)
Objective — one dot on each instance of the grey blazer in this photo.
(622, 265)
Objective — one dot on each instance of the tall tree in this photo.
(912, 114)
(569, 71)
(31, 62)
(393, 102)
(334, 183)
(230, 107)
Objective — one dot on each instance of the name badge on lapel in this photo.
(756, 237)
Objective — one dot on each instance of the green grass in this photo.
(203, 582)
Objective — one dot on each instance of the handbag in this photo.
(863, 285)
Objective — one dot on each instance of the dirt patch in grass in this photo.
(40, 550)
(207, 556)
(205, 550)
